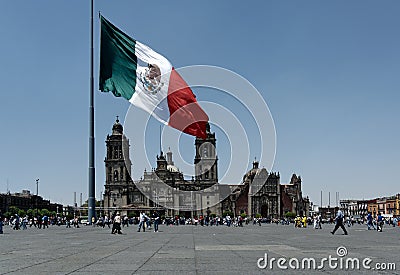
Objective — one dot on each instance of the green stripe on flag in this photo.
(118, 61)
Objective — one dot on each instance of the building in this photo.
(329, 212)
(25, 201)
(292, 198)
(387, 206)
(362, 208)
(356, 208)
(350, 207)
(390, 209)
(259, 193)
(372, 207)
(165, 189)
(397, 212)
(120, 191)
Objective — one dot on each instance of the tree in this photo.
(13, 210)
(21, 213)
(290, 215)
(44, 212)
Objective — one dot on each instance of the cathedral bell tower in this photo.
(206, 160)
(118, 168)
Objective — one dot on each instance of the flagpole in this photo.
(92, 184)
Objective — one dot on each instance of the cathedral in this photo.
(165, 189)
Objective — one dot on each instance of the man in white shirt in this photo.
(117, 224)
(142, 221)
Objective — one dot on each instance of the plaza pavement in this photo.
(188, 249)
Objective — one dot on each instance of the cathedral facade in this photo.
(165, 189)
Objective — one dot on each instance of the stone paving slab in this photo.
(189, 249)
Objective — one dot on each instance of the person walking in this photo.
(339, 222)
(34, 222)
(228, 220)
(304, 221)
(112, 217)
(370, 221)
(45, 222)
(1, 224)
(16, 222)
(319, 218)
(142, 221)
(68, 222)
(24, 222)
(76, 222)
(315, 221)
(156, 218)
(117, 224)
(126, 221)
(106, 221)
(379, 222)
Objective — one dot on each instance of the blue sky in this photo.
(327, 70)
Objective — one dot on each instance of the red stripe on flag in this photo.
(186, 114)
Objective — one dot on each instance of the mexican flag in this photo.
(147, 79)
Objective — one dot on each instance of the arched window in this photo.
(110, 152)
(115, 175)
(205, 152)
(115, 149)
(109, 174)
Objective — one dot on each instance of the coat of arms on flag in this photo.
(151, 78)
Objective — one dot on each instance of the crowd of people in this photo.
(39, 222)
(18, 223)
(145, 222)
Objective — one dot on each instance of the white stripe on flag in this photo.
(152, 99)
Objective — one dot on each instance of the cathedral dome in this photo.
(117, 128)
(249, 176)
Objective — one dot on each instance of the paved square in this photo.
(190, 249)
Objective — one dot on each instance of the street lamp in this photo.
(37, 196)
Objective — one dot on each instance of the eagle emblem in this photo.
(151, 79)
